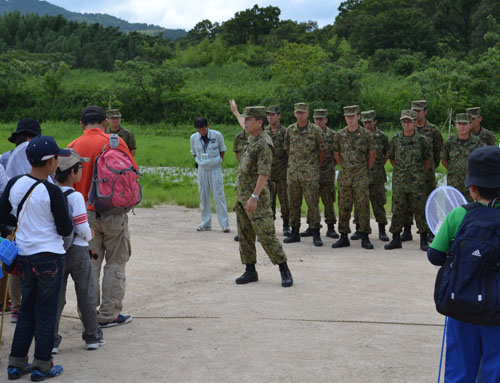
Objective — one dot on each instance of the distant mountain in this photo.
(45, 8)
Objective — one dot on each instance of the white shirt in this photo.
(78, 213)
(208, 156)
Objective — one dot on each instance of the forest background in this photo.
(380, 54)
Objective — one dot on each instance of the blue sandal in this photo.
(38, 376)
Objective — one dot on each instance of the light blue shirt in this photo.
(208, 156)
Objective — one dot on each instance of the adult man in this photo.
(114, 118)
(253, 200)
(477, 130)
(355, 151)
(16, 163)
(306, 147)
(280, 163)
(326, 176)
(425, 128)
(111, 241)
(456, 151)
(378, 177)
(208, 149)
(411, 156)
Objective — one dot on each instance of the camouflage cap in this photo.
(254, 111)
(419, 105)
(368, 115)
(463, 117)
(274, 110)
(408, 113)
(320, 113)
(301, 107)
(351, 110)
(474, 112)
(113, 113)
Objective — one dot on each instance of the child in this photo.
(69, 172)
(39, 210)
(468, 343)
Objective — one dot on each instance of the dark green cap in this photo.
(368, 115)
(113, 113)
(254, 111)
(301, 107)
(351, 110)
(320, 113)
(419, 105)
(274, 110)
(408, 113)
(463, 117)
(474, 112)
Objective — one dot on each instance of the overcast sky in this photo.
(185, 14)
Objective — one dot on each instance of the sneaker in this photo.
(38, 376)
(203, 228)
(120, 319)
(14, 373)
(226, 230)
(55, 350)
(95, 346)
(15, 316)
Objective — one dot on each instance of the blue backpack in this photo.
(468, 285)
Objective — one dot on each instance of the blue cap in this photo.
(42, 148)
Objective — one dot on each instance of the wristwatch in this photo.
(255, 197)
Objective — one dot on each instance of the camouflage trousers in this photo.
(430, 185)
(280, 189)
(462, 189)
(406, 204)
(378, 198)
(360, 197)
(327, 194)
(308, 189)
(261, 224)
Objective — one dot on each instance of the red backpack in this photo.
(115, 188)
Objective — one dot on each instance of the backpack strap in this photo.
(472, 205)
(20, 206)
(68, 192)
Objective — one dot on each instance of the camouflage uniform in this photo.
(457, 152)
(377, 190)
(304, 146)
(278, 172)
(409, 179)
(354, 177)
(436, 139)
(256, 160)
(125, 134)
(327, 179)
(240, 143)
(484, 135)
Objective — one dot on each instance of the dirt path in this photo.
(353, 315)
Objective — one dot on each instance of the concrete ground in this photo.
(352, 315)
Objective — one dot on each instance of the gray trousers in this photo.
(78, 265)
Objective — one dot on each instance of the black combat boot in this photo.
(286, 275)
(307, 233)
(357, 234)
(424, 242)
(331, 232)
(382, 235)
(342, 242)
(395, 243)
(407, 236)
(286, 228)
(317, 238)
(250, 275)
(365, 242)
(294, 236)
(236, 237)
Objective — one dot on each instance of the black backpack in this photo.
(68, 240)
(468, 285)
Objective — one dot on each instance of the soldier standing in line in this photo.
(280, 163)
(355, 151)
(306, 148)
(477, 130)
(326, 176)
(240, 140)
(456, 152)
(411, 156)
(432, 133)
(377, 191)
(253, 200)
(114, 118)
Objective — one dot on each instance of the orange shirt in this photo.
(90, 144)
